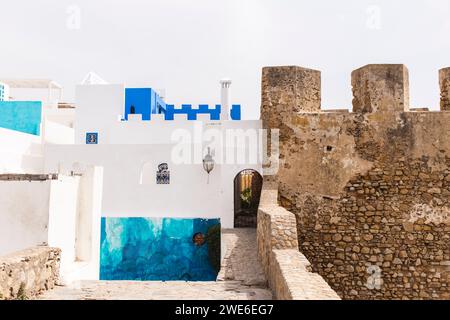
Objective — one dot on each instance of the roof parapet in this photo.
(288, 90)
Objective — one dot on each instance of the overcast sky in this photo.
(186, 46)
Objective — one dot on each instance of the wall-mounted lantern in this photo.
(208, 163)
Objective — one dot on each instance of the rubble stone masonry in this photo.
(288, 272)
(370, 189)
(27, 273)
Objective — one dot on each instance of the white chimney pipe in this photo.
(225, 99)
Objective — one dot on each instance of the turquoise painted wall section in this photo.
(24, 116)
(159, 249)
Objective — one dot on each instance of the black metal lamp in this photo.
(208, 163)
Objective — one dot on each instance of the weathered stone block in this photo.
(444, 83)
(287, 91)
(380, 88)
(26, 273)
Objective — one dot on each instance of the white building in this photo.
(110, 173)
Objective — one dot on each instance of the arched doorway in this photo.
(247, 192)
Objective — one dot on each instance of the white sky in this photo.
(186, 46)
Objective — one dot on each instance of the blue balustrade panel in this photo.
(23, 116)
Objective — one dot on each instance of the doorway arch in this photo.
(247, 193)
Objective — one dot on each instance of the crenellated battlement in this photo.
(375, 87)
(370, 188)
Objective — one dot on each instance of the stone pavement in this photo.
(241, 278)
(240, 261)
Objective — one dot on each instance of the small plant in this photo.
(21, 295)
(246, 197)
(213, 240)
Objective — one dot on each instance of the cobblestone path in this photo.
(241, 278)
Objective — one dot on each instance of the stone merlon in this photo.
(380, 87)
(288, 90)
(444, 83)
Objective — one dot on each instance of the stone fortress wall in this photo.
(288, 272)
(370, 189)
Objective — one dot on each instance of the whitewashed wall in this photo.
(87, 244)
(57, 133)
(24, 212)
(98, 106)
(62, 221)
(251, 149)
(65, 117)
(23, 153)
(20, 152)
(62, 213)
(187, 196)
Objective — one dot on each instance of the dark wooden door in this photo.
(247, 193)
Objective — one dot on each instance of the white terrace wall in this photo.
(55, 210)
(20, 152)
(62, 220)
(63, 116)
(23, 153)
(24, 207)
(57, 133)
(87, 233)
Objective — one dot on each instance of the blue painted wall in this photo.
(145, 101)
(24, 116)
(235, 112)
(159, 249)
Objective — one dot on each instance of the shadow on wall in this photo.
(160, 249)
